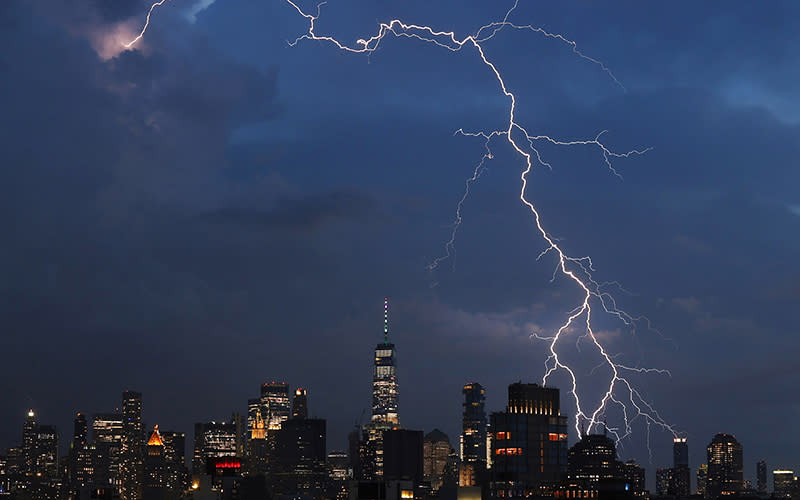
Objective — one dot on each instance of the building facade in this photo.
(131, 465)
(725, 474)
(529, 443)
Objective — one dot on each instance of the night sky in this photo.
(216, 209)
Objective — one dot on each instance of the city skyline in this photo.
(216, 209)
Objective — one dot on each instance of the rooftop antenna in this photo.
(386, 320)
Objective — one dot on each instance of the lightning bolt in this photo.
(578, 270)
(146, 24)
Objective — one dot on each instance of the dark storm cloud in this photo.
(138, 232)
(301, 214)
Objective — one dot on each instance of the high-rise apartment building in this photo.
(275, 398)
(761, 477)
(131, 466)
(529, 445)
(725, 475)
(473, 426)
(300, 403)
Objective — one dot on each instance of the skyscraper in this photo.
(275, 397)
(725, 475)
(436, 450)
(384, 405)
(154, 483)
(384, 379)
(29, 444)
(473, 425)
(177, 475)
(300, 450)
(761, 477)
(132, 451)
(529, 445)
(212, 440)
(104, 452)
(300, 403)
(681, 475)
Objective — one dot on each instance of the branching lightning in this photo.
(578, 270)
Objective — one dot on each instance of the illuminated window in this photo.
(406, 494)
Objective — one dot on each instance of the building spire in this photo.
(386, 320)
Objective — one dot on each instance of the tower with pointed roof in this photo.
(384, 378)
(155, 468)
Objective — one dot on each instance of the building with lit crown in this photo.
(300, 403)
(783, 483)
(529, 443)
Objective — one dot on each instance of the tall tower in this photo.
(473, 434)
(681, 475)
(384, 405)
(132, 452)
(155, 468)
(29, 429)
(384, 377)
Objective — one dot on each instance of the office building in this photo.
(529, 444)
(473, 430)
(176, 474)
(725, 475)
(761, 477)
(403, 455)
(436, 452)
(680, 482)
(258, 448)
(299, 466)
(131, 464)
(663, 481)
(275, 398)
(384, 405)
(783, 483)
(212, 440)
(635, 477)
(702, 480)
(300, 403)
(154, 483)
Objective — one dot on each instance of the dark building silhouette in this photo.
(702, 480)
(299, 466)
(529, 445)
(300, 404)
(131, 465)
(761, 477)
(680, 477)
(402, 455)
(595, 472)
(725, 475)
